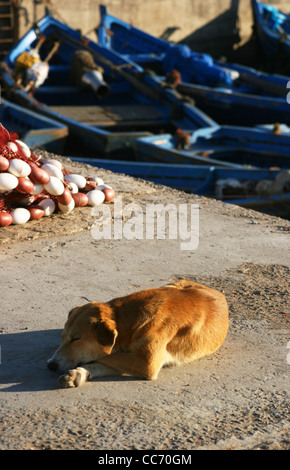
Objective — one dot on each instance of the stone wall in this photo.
(209, 25)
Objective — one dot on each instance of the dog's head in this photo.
(89, 334)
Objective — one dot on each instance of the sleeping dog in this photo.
(140, 333)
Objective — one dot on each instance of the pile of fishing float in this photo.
(32, 187)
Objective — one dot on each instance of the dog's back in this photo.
(190, 319)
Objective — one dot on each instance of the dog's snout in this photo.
(52, 364)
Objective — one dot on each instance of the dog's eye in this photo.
(74, 339)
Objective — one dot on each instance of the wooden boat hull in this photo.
(209, 181)
(251, 98)
(35, 130)
(240, 109)
(223, 146)
(112, 126)
(272, 29)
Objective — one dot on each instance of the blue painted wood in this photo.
(224, 146)
(242, 96)
(272, 29)
(103, 130)
(201, 180)
(35, 130)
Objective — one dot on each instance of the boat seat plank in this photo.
(111, 115)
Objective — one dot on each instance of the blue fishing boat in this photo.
(104, 101)
(35, 130)
(229, 93)
(272, 28)
(252, 188)
(140, 47)
(265, 146)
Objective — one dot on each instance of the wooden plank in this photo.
(111, 115)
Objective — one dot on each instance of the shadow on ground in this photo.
(23, 360)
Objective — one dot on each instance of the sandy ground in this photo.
(238, 398)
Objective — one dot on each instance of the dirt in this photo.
(237, 398)
(132, 190)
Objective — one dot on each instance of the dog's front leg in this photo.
(74, 378)
(80, 375)
(143, 364)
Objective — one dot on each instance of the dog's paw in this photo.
(74, 378)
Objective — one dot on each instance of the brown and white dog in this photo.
(140, 333)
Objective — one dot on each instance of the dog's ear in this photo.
(106, 335)
(72, 311)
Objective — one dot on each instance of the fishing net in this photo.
(12, 148)
(38, 184)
